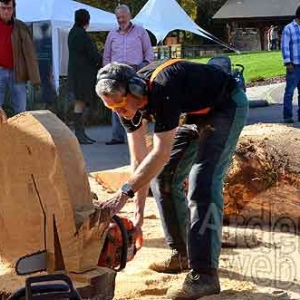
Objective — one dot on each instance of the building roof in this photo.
(241, 9)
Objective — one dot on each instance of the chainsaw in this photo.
(122, 242)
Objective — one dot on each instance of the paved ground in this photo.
(269, 93)
(99, 156)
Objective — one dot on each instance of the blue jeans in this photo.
(118, 131)
(292, 82)
(273, 44)
(206, 160)
(18, 91)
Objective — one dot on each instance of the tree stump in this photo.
(262, 186)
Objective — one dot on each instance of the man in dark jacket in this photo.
(84, 62)
(217, 107)
(18, 62)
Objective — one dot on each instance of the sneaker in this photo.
(195, 286)
(176, 263)
(288, 120)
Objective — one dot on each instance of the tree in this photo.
(190, 7)
(201, 11)
(135, 5)
(205, 11)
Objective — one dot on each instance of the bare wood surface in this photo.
(112, 179)
(45, 189)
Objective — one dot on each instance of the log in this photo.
(113, 179)
(262, 186)
(45, 197)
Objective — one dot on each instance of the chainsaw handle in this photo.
(39, 287)
(124, 252)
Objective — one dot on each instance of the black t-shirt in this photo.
(182, 87)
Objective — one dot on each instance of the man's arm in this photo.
(147, 47)
(285, 46)
(148, 168)
(154, 161)
(29, 53)
(107, 51)
(137, 153)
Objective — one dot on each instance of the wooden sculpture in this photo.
(45, 197)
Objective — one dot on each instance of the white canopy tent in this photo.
(60, 13)
(154, 18)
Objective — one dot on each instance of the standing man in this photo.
(18, 62)
(218, 107)
(290, 48)
(273, 37)
(129, 44)
(84, 63)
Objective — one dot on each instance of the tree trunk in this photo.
(262, 186)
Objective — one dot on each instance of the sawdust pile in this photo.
(257, 264)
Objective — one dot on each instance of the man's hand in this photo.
(116, 203)
(290, 68)
(138, 220)
(3, 116)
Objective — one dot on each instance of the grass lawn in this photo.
(258, 65)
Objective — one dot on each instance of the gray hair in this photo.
(123, 7)
(113, 78)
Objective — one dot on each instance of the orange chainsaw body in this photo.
(121, 244)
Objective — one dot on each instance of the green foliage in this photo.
(190, 7)
(206, 10)
(135, 5)
(258, 65)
